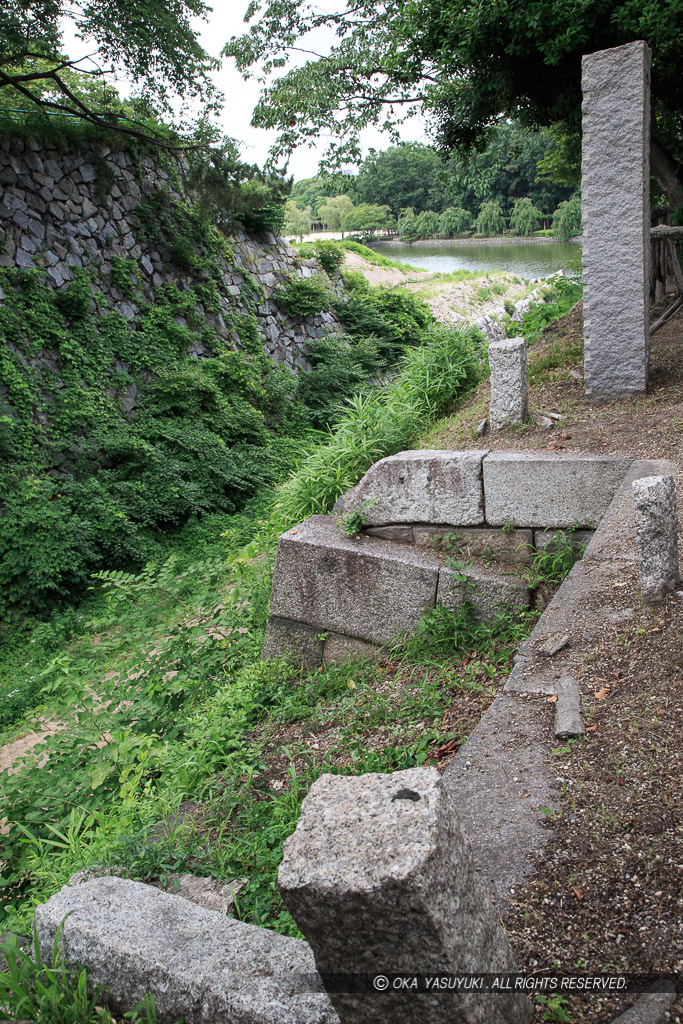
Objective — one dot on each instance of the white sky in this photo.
(225, 21)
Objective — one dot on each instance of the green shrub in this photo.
(393, 316)
(342, 367)
(329, 254)
(303, 296)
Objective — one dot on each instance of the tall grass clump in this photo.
(428, 380)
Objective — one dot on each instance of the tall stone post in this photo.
(380, 879)
(509, 382)
(615, 198)
(654, 499)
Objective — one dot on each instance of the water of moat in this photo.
(528, 259)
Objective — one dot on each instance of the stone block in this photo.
(398, 534)
(514, 547)
(349, 648)
(421, 487)
(541, 489)
(615, 200)
(294, 640)
(199, 964)
(489, 593)
(379, 877)
(615, 535)
(366, 588)
(657, 536)
(509, 382)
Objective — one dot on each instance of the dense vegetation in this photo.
(156, 674)
(412, 187)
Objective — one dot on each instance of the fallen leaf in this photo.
(621, 780)
(551, 700)
(577, 892)
(293, 531)
(591, 728)
(351, 684)
(601, 694)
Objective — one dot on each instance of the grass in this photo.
(376, 258)
(158, 680)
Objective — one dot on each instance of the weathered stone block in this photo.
(489, 593)
(514, 547)
(615, 199)
(366, 588)
(657, 535)
(379, 877)
(421, 487)
(509, 382)
(398, 534)
(546, 490)
(198, 964)
(349, 648)
(294, 640)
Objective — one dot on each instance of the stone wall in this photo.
(61, 210)
(336, 597)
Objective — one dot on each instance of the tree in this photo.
(317, 190)
(490, 220)
(368, 219)
(453, 221)
(525, 217)
(466, 62)
(407, 223)
(427, 224)
(402, 176)
(333, 211)
(297, 221)
(567, 219)
(156, 45)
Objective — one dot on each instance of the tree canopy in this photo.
(465, 63)
(156, 45)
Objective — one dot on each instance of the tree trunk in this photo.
(668, 173)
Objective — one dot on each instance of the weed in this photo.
(39, 989)
(508, 527)
(554, 562)
(354, 520)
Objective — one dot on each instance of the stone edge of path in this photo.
(503, 774)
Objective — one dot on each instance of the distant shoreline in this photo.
(483, 240)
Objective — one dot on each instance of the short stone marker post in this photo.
(615, 202)
(380, 879)
(509, 382)
(656, 518)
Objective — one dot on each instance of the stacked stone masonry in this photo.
(336, 597)
(63, 210)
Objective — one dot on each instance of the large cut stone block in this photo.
(349, 648)
(657, 533)
(509, 382)
(198, 964)
(421, 487)
(489, 593)
(514, 547)
(295, 640)
(615, 199)
(543, 489)
(380, 879)
(361, 587)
